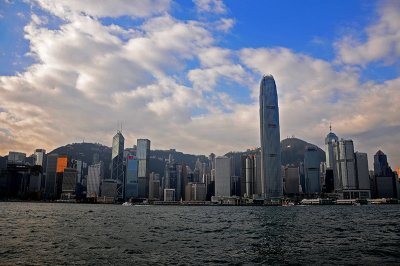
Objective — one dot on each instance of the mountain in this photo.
(292, 151)
(158, 158)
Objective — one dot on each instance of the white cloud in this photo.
(68, 9)
(382, 40)
(212, 6)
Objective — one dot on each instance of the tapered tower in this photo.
(271, 179)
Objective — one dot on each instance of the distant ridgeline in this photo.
(86, 152)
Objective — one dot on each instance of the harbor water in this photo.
(81, 234)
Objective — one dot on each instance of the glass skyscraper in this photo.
(117, 157)
(271, 179)
(143, 157)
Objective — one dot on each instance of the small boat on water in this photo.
(127, 204)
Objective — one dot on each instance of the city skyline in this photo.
(185, 75)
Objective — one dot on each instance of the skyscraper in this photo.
(95, 176)
(223, 176)
(271, 179)
(117, 157)
(143, 156)
(131, 188)
(330, 139)
(311, 170)
(345, 171)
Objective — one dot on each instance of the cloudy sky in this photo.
(186, 74)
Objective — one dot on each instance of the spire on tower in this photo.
(330, 127)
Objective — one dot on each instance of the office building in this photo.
(169, 194)
(292, 179)
(222, 176)
(362, 173)
(311, 170)
(131, 187)
(94, 178)
(272, 184)
(16, 157)
(143, 157)
(51, 175)
(345, 175)
(70, 175)
(330, 140)
(117, 168)
(40, 157)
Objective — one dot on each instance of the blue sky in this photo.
(192, 68)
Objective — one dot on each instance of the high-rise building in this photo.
(345, 175)
(39, 156)
(131, 187)
(381, 166)
(143, 156)
(385, 181)
(94, 178)
(330, 139)
(362, 171)
(36, 180)
(292, 179)
(311, 170)
(271, 178)
(223, 176)
(154, 186)
(117, 169)
(70, 175)
(51, 174)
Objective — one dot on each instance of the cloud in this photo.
(69, 9)
(211, 6)
(382, 41)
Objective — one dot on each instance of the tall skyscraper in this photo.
(271, 179)
(117, 157)
(345, 171)
(330, 139)
(143, 156)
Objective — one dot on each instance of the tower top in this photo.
(330, 127)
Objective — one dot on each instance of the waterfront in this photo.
(57, 233)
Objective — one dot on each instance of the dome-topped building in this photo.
(329, 140)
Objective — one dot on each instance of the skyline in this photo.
(186, 75)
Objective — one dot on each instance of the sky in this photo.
(186, 74)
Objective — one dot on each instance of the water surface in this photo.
(57, 233)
